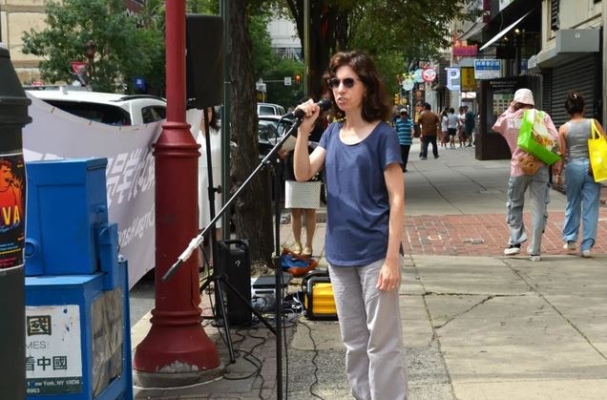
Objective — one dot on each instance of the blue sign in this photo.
(487, 69)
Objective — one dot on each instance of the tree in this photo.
(123, 50)
(414, 28)
(253, 207)
(273, 67)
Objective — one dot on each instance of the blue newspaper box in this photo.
(66, 202)
(78, 343)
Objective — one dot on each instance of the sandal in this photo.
(307, 251)
(296, 249)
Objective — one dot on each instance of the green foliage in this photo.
(123, 50)
(272, 67)
(418, 29)
(415, 29)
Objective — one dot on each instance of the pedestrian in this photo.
(302, 199)
(508, 125)
(583, 193)
(469, 123)
(430, 126)
(444, 130)
(404, 128)
(365, 218)
(204, 213)
(461, 119)
(451, 127)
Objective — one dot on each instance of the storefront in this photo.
(582, 75)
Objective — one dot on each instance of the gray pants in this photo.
(372, 333)
(538, 196)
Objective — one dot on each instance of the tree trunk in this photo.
(324, 21)
(253, 217)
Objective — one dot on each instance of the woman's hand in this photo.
(311, 112)
(389, 276)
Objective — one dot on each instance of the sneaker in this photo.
(535, 258)
(586, 254)
(569, 246)
(512, 250)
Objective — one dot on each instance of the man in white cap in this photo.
(508, 125)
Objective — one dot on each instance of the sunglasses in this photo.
(334, 82)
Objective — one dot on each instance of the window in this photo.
(554, 15)
(97, 112)
(152, 114)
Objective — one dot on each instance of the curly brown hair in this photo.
(376, 105)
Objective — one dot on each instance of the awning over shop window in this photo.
(504, 31)
(474, 30)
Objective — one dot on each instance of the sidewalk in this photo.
(477, 325)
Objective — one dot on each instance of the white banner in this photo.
(55, 134)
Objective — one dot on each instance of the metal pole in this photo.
(13, 116)
(306, 46)
(225, 117)
(176, 346)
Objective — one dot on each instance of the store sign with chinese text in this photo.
(53, 360)
(467, 79)
(487, 69)
(461, 49)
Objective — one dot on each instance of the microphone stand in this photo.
(269, 159)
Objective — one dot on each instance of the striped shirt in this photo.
(404, 128)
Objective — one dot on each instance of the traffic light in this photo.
(297, 79)
(396, 99)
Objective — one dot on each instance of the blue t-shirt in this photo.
(358, 207)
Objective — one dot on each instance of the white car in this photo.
(108, 108)
(270, 109)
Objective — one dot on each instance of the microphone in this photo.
(323, 104)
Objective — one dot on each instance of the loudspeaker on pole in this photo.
(204, 60)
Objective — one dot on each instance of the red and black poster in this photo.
(12, 210)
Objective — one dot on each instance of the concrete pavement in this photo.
(478, 325)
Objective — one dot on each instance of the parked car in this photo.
(270, 109)
(269, 129)
(108, 108)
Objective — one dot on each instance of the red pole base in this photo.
(175, 344)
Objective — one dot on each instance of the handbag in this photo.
(597, 152)
(534, 138)
(529, 164)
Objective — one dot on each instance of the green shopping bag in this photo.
(597, 150)
(533, 137)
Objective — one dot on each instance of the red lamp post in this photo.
(176, 345)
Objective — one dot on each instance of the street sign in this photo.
(453, 79)
(429, 74)
(287, 81)
(408, 83)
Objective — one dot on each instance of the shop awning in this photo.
(504, 31)
(473, 31)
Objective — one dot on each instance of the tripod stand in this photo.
(219, 276)
(269, 159)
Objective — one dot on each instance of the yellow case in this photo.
(319, 301)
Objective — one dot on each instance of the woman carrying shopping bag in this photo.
(583, 193)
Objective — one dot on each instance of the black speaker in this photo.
(233, 260)
(204, 60)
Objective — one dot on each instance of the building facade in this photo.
(17, 17)
(549, 46)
